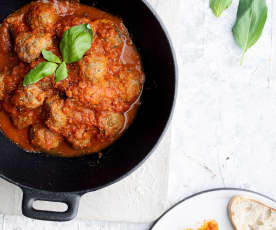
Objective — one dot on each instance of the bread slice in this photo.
(249, 214)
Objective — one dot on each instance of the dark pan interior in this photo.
(88, 173)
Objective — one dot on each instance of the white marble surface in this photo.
(223, 131)
(20, 223)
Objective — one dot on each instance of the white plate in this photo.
(212, 204)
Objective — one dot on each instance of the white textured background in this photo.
(223, 131)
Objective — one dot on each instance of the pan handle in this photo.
(30, 196)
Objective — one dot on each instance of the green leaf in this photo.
(42, 70)
(49, 56)
(218, 6)
(251, 18)
(75, 42)
(62, 72)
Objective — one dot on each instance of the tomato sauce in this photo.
(118, 92)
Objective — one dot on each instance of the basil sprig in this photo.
(218, 6)
(251, 18)
(49, 56)
(42, 70)
(75, 42)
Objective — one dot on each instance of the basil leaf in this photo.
(42, 70)
(49, 56)
(251, 18)
(218, 6)
(75, 42)
(62, 72)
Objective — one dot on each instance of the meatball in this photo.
(68, 22)
(43, 138)
(64, 115)
(42, 16)
(57, 119)
(80, 138)
(28, 46)
(104, 95)
(16, 25)
(78, 114)
(46, 83)
(71, 120)
(109, 31)
(2, 85)
(15, 77)
(21, 118)
(132, 83)
(111, 123)
(24, 119)
(93, 67)
(29, 97)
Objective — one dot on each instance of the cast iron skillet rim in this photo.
(208, 191)
(82, 192)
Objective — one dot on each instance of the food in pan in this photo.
(250, 214)
(70, 78)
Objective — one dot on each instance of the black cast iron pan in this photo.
(43, 177)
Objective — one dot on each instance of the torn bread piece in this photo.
(249, 214)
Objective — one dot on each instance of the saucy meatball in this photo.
(66, 113)
(93, 67)
(71, 120)
(78, 113)
(42, 16)
(132, 83)
(15, 24)
(111, 123)
(11, 79)
(70, 21)
(104, 95)
(28, 46)
(14, 78)
(43, 138)
(109, 31)
(24, 119)
(29, 97)
(80, 138)
(57, 119)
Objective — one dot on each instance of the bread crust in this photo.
(230, 204)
